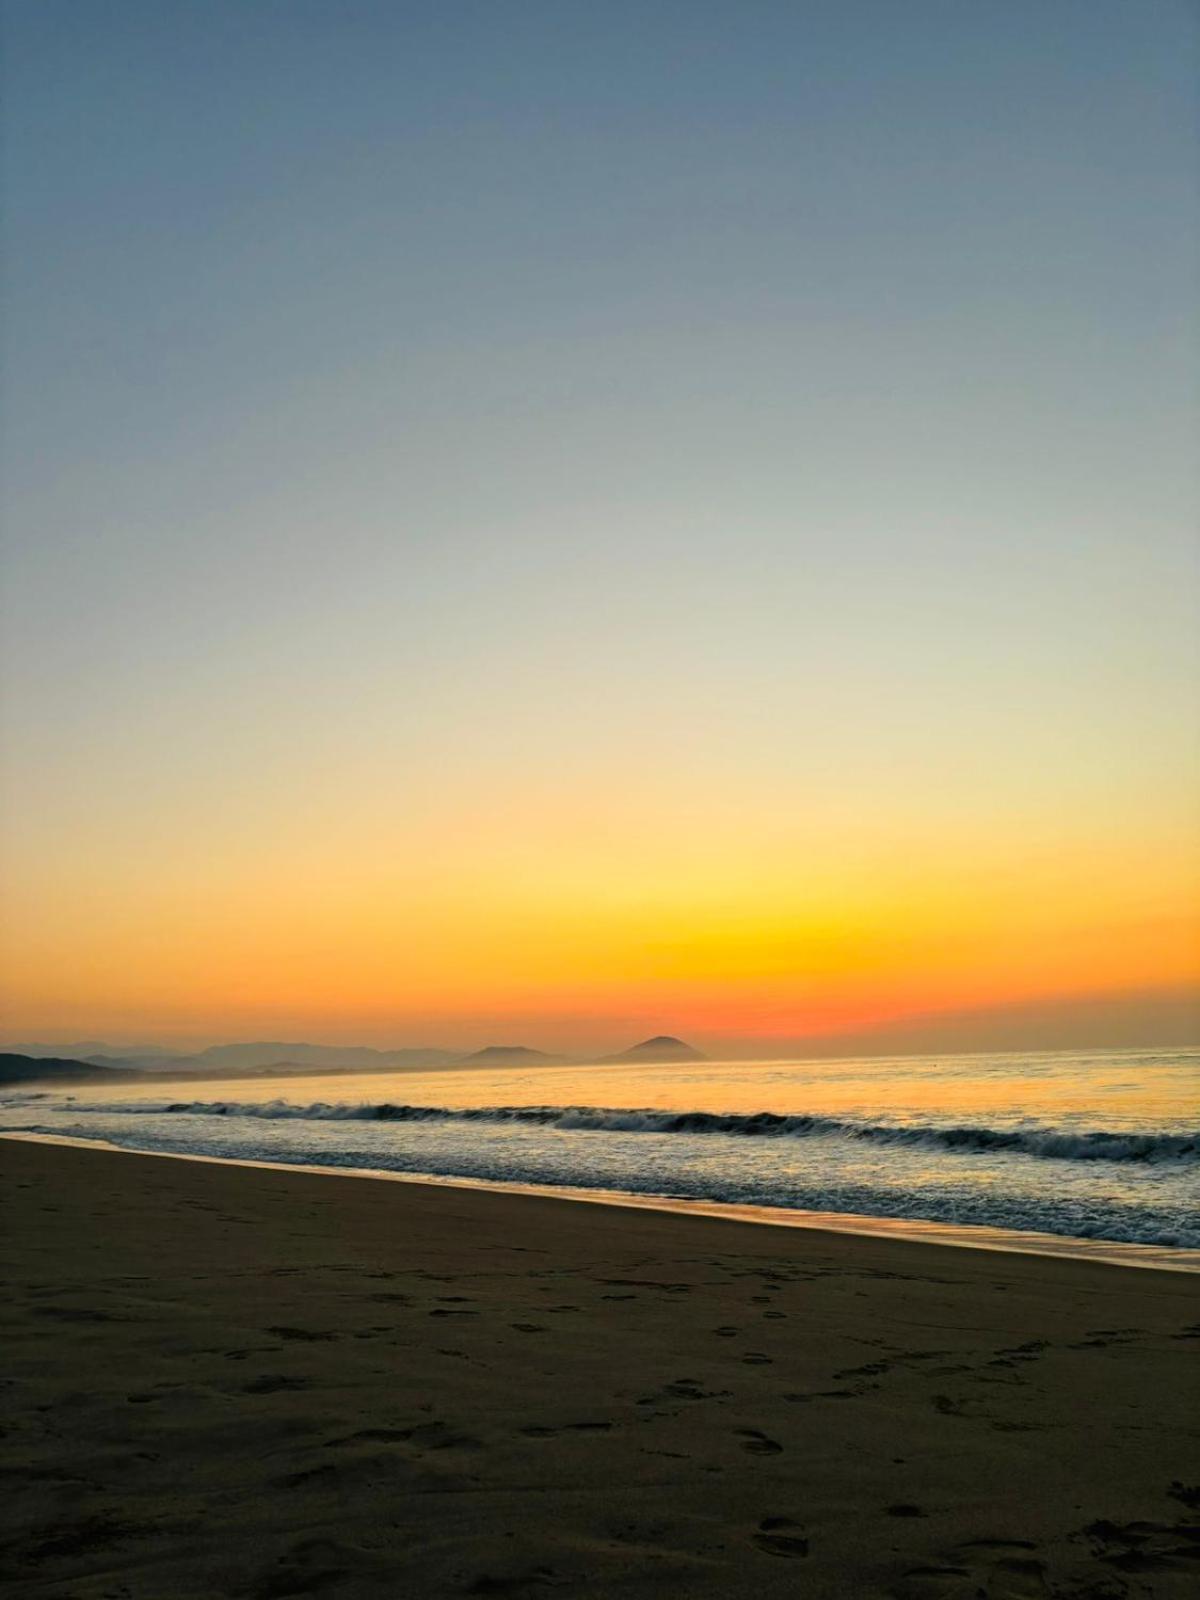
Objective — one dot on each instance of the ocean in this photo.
(1086, 1146)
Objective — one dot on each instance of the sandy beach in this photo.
(223, 1381)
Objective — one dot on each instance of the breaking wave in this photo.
(1044, 1144)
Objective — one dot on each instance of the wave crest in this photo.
(1045, 1144)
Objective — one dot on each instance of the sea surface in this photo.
(1086, 1145)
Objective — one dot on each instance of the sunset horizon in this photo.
(1120, 1020)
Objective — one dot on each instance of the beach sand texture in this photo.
(223, 1381)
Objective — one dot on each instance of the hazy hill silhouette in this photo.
(663, 1047)
(58, 1069)
(269, 1053)
(505, 1054)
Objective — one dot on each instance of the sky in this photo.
(554, 522)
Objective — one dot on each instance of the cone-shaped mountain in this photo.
(663, 1047)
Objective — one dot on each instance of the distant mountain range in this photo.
(252, 1057)
(92, 1061)
(269, 1054)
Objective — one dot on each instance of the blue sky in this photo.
(798, 397)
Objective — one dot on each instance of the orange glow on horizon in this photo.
(754, 941)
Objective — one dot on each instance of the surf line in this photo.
(965, 1236)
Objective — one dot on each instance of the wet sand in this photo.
(223, 1381)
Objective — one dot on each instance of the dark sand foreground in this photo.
(224, 1381)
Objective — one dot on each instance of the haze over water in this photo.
(1103, 1146)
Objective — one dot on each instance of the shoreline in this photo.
(966, 1236)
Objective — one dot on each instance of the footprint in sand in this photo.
(759, 1444)
(273, 1382)
(873, 1369)
(309, 1475)
(371, 1436)
(440, 1436)
(1143, 1547)
(1003, 1569)
(775, 1538)
(692, 1389)
(948, 1406)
